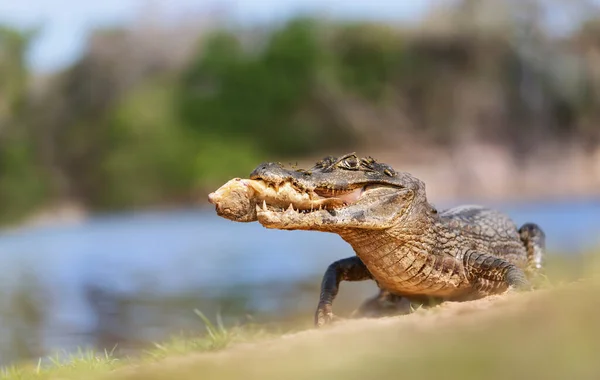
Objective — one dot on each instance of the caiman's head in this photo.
(336, 194)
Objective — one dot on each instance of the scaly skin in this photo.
(401, 241)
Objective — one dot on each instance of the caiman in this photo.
(409, 248)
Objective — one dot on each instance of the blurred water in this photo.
(162, 255)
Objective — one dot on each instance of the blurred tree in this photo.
(98, 123)
(583, 107)
(13, 74)
(368, 57)
(21, 181)
(265, 96)
(151, 157)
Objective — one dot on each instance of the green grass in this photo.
(217, 338)
(69, 366)
(91, 363)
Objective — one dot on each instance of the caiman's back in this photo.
(461, 253)
(487, 231)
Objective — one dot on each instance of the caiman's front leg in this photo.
(491, 275)
(348, 269)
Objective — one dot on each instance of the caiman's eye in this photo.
(350, 163)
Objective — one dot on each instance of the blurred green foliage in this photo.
(149, 152)
(266, 97)
(368, 58)
(22, 186)
(124, 128)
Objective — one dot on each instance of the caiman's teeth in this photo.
(290, 209)
(258, 209)
(276, 186)
(264, 206)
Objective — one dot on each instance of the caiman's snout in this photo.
(272, 172)
(235, 200)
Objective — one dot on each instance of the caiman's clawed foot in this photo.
(516, 279)
(384, 304)
(519, 288)
(324, 316)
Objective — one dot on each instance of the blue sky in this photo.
(66, 23)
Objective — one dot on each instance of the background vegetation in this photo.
(136, 122)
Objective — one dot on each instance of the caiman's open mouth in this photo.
(244, 200)
(287, 196)
(344, 192)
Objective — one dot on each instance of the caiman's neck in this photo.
(416, 233)
(394, 255)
